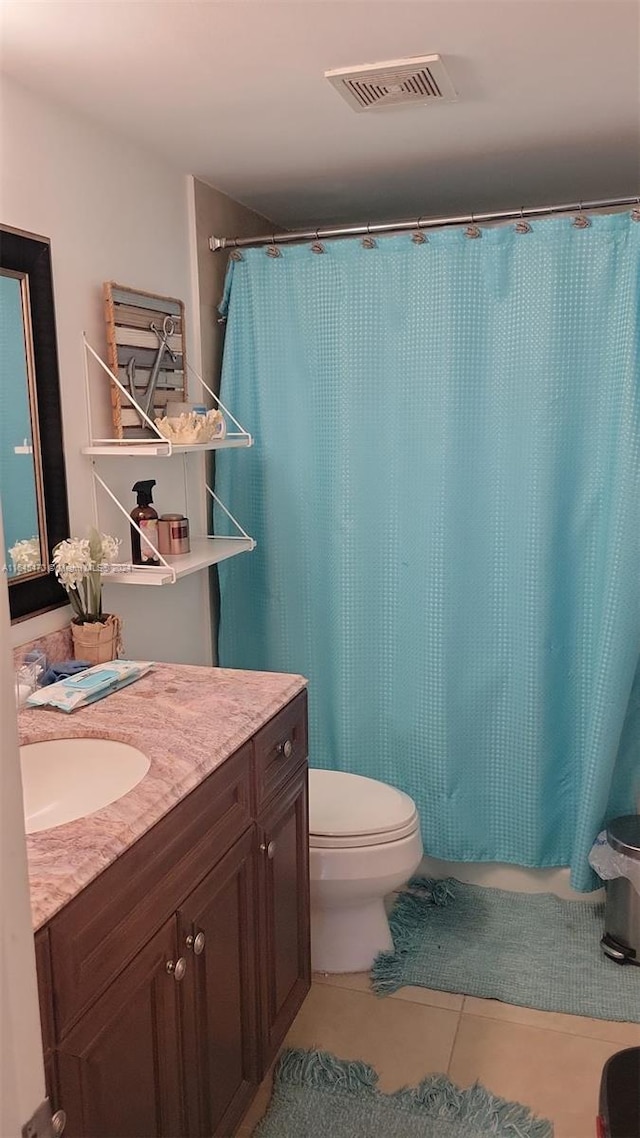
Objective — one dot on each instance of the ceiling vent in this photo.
(397, 82)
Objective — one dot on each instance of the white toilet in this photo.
(364, 842)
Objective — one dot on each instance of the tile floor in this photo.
(549, 1061)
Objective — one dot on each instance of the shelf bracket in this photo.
(243, 535)
(240, 436)
(143, 536)
(88, 350)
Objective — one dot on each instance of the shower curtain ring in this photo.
(635, 212)
(522, 226)
(472, 230)
(317, 246)
(272, 249)
(581, 221)
(418, 238)
(368, 242)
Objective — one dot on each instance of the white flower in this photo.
(72, 561)
(110, 547)
(26, 555)
(79, 563)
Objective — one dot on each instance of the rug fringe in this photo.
(323, 1070)
(439, 890)
(476, 1106)
(405, 922)
(436, 1095)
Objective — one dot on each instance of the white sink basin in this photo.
(63, 779)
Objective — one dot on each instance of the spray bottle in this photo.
(144, 515)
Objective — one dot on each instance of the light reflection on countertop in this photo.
(187, 720)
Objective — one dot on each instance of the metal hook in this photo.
(419, 238)
(272, 249)
(522, 226)
(581, 221)
(317, 246)
(236, 255)
(472, 230)
(368, 242)
(635, 212)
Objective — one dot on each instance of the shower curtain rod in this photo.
(416, 224)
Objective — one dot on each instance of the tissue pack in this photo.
(88, 686)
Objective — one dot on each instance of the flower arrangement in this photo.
(26, 556)
(79, 564)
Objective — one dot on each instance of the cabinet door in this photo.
(284, 913)
(119, 1067)
(220, 1027)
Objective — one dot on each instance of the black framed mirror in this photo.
(33, 484)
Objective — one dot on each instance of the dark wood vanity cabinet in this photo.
(283, 913)
(168, 984)
(217, 931)
(118, 1068)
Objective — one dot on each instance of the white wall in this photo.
(112, 211)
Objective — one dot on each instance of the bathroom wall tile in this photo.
(404, 1041)
(626, 1034)
(360, 982)
(556, 1074)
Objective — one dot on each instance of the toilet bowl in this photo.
(364, 842)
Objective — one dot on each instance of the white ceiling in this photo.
(233, 91)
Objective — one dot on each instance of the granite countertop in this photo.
(187, 720)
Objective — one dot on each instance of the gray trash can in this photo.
(621, 940)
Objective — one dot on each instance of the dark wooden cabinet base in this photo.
(167, 986)
(284, 913)
(119, 1067)
(217, 933)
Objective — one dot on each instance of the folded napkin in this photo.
(62, 669)
(89, 685)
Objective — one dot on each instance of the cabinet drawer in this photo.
(280, 747)
(102, 929)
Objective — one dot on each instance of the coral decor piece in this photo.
(191, 428)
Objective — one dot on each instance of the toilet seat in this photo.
(348, 811)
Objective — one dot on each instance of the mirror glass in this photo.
(20, 466)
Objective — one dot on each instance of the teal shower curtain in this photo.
(445, 493)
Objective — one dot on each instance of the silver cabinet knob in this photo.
(177, 968)
(196, 943)
(58, 1123)
(269, 849)
(286, 748)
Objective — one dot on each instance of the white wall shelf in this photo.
(205, 551)
(149, 448)
(155, 444)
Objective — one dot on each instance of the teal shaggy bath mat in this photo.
(531, 949)
(316, 1095)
